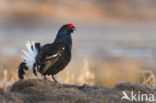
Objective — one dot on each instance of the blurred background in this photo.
(115, 40)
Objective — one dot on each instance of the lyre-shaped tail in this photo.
(29, 58)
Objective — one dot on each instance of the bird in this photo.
(50, 58)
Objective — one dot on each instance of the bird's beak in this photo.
(74, 28)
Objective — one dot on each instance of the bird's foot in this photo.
(54, 79)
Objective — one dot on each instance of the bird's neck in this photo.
(64, 38)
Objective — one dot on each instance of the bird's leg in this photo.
(54, 78)
(45, 78)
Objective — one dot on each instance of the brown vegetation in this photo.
(41, 91)
(84, 72)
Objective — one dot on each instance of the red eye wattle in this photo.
(70, 25)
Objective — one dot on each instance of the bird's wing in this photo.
(50, 55)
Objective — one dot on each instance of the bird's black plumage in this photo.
(53, 57)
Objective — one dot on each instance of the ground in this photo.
(45, 91)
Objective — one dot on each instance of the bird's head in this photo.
(67, 28)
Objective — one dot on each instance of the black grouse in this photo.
(50, 58)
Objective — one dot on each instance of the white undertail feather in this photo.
(30, 54)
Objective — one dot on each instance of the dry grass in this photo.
(106, 73)
(149, 79)
(45, 91)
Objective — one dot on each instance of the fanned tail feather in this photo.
(29, 59)
(30, 54)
